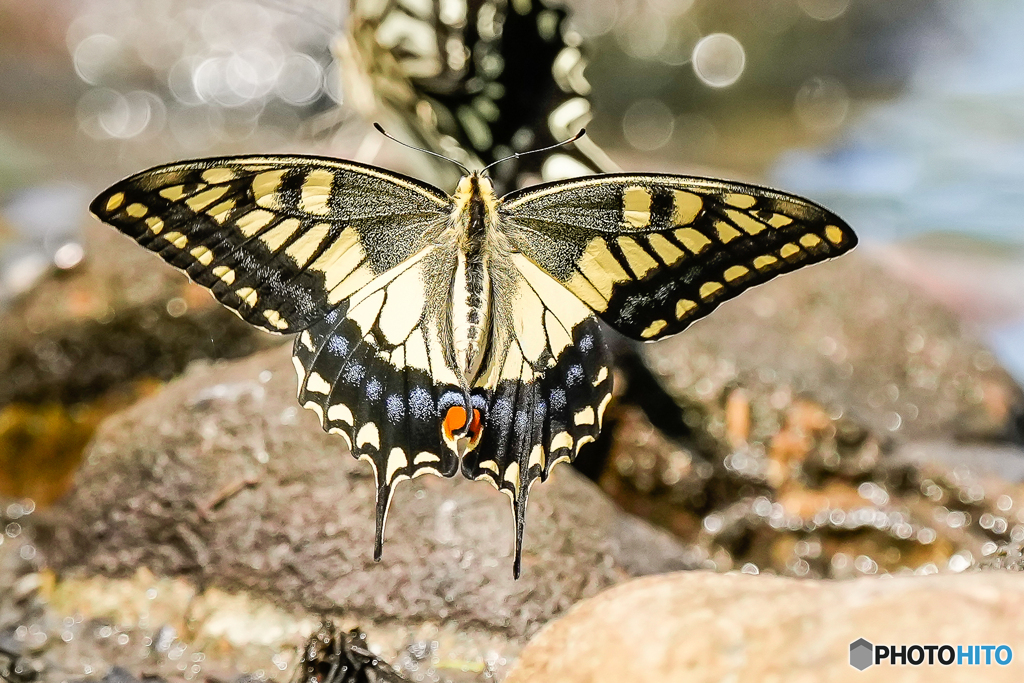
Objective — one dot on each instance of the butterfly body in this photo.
(439, 332)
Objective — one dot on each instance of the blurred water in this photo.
(948, 155)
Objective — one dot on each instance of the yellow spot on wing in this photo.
(219, 175)
(685, 207)
(220, 212)
(557, 335)
(423, 457)
(561, 440)
(264, 188)
(177, 239)
(602, 375)
(788, 250)
(318, 384)
(404, 306)
(668, 252)
(709, 289)
(636, 206)
(601, 267)
(248, 295)
(684, 306)
(316, 192)
(512, 475)
(136, 210)
(726, 233)
(692, 239)
(274, 318)
(254, 221)
(602, 407)
(416, 351)
(639, 261)
(365, 313)
(173, 193)
(735, 272)
(340, 259)
(653, 329)
(584, 416)
(581, 287)
(205, 198)
(834, 234)
(203, 255)
(750, 225)
(359, 278)
(397, 460)
(810, 240)
(536, 456)
(779, 221)
(115, 201)
(368, 434)
(302, 249)
(224, 273)
(300, 371)
(279, 234)
(155, 224)
(742, 201)
(339, 412)
(764, 261)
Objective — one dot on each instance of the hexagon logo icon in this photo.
(862, 654)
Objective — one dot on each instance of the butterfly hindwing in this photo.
(543, 390)
(374, 372)
(279, 240)
(651, 254)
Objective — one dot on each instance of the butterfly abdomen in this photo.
(474, 219)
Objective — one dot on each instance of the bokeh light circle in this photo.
(648, 125)
(822, 104)
(718, 60)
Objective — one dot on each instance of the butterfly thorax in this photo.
(474, 220)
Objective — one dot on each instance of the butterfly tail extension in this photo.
(536, 418)
(371, 391)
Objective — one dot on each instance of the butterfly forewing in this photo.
(279, 240)
(650, 254)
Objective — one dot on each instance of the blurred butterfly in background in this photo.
(474, 80)
(441, 332)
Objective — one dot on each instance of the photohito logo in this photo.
(863, 654)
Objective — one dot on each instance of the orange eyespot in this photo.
(475, 428)
(454, 420)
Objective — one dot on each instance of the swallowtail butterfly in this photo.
(475, 80)
(439, 332)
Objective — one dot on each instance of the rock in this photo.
(857, 340)
(221, 478)
(696, 626)
(797, 492)
(86, 342)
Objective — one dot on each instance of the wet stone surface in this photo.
(763, 455)
(222, 480)
(856, 339)
(87, 342)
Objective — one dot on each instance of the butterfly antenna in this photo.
(380, 129)
(574, 138)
